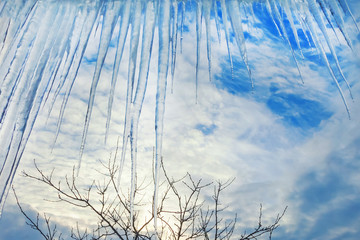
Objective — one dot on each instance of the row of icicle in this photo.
(42, 44)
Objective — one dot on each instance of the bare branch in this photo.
(189, 218)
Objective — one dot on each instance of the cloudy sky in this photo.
(287, 143)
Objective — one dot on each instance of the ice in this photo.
(124, 27)
(198, 41)
(316, 13)
(288, 12)
(235, 19)
(217, 21)
(346, 9)
(73, 60)
(337, 14)
(135, 34)
(42, 45)
(182, 23)
(227, 36)
(206, 10)
(325, 60)
(268, 8)
(147, 41)
(174, 34)
(285, 35)
(164, 33)
(110, 18)
(27, 97)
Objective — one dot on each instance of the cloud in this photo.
(13, 223)
(286, 143)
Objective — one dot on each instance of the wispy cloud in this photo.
(286, 143)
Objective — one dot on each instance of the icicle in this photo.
(4, 32)
(216, 16)
(244, 10)
(7, 127)
(74, 64)
(65, 32)
(42, 44)
(324, 58)
(146, 48)
(134, 42)
(80, 25)
(268, 8)
(174, 41)
(198, 41)
(344, 5)
(327, 15)
(316, 13)
(235, 19)
(251, 8)
(62, 32)
(206, 9)
(2, 6)
(108, 26)
(182, 24)
(304, 29)
(248, 7)
(164, 31)
(227, 36)
(25, 12)
(124, 27)
(277, 14)
(291, 20)
(12, 76)
(26, 106)
(337, 14)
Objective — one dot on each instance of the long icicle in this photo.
(327, 15)
(135, 34)
(27, 52)
(268, 8)
(182, 24)
(227, 35)
(216, 16)
(206, 10)
(324, 58)
(344, 5)
(24, 100)
(286, 37)
(313, 8)
(174, 41)
(164, 32)
(337, 14)
(124, 27)
(292, 25)
(80, 23)
(146, 48)
(235, 19)
(198, 41)
(65, 32)
(81, 43)
(108, 26)
(23, 14)
(61, 31)
(10, 81)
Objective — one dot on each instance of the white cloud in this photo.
(249, 141)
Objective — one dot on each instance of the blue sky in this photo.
(287, 143)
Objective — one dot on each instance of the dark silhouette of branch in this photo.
(49, 234)
(181, 211)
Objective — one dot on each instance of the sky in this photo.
(287, 143)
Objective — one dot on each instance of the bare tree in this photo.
(182, 212)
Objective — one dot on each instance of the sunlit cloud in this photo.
(287, 143)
